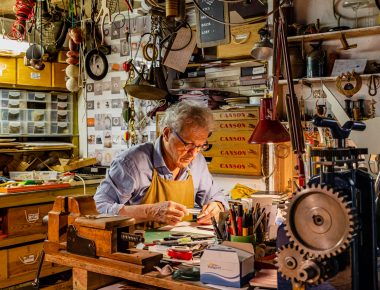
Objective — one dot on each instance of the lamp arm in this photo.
(293, 111)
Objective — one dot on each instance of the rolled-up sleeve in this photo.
(206, 190)
(118, 187)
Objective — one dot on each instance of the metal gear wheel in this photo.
(319, 221)
(289, 259)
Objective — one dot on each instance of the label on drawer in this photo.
(28, 259)
(35, 75)
(32, 217)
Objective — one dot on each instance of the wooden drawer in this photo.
(240, 166)
(58, 78)
(25, 220)
(20, 260)
(248, 114)
(242, 39)
(31, 77)
(7, 70)
(251, 151)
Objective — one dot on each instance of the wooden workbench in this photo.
(84, 269)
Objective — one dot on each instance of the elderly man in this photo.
(158, 182)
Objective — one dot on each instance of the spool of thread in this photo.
(172, 8)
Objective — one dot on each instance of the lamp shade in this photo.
(263, 49)
(269, 129)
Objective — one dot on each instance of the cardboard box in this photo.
(7, 70)
(230, 264)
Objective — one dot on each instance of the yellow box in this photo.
(242, 39)
(240, 166)
(58, 72)
(227, 138)
(7, 70)
(242, 150)
(233, 125)
(247, 114)
(28, 76)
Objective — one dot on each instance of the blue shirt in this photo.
(130, 176)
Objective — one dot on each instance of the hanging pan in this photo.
(141, 89)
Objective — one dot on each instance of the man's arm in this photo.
(118, 187)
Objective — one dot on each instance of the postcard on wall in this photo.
(348, 65)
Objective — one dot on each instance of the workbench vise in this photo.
(75, 226)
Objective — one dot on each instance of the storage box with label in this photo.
(230, 264)
(7, 70)
(28, 76)
(242, 39)
(58, 75)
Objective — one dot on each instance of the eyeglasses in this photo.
(192, 146)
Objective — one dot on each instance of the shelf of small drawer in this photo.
(321, 79)
(356, 32)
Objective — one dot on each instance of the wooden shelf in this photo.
(44, 196)
(6, 242)
(321, 79)
(34, 88)
(357, 32)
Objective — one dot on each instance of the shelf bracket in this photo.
(345, 45)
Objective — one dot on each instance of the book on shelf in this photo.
(251, 71)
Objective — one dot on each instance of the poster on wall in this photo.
(107, 131)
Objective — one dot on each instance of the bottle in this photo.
(316, 62)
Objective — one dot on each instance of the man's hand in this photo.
(168, 212)
(211, 209)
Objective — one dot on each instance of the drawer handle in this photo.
(251, 115)
(29, 259)
(240, 38)
(251, 126)
(32, 218)
(252, 151)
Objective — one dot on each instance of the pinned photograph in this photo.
(103, 122)
(107, 139)
(116, 103)
(115, 30)
(90, 122)
(90, 88)
(115, 85)
(90, 105)
(116, 121)
(98, 87)
(91, 139)
(115, 48)
(106, 86)
(124, 47)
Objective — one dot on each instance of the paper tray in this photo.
(29, 188)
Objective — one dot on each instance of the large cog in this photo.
(319, 221)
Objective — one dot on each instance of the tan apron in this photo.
(180, 191)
